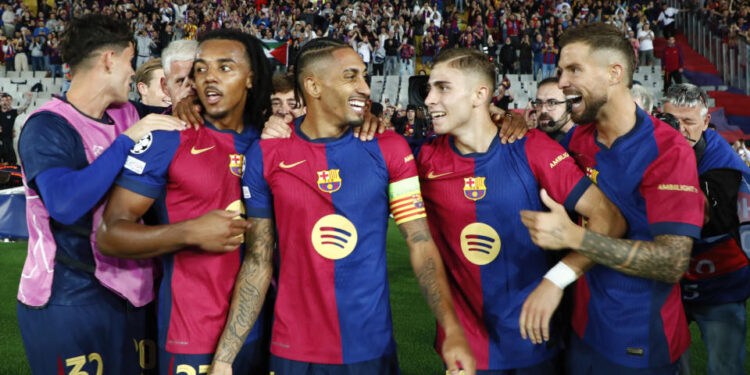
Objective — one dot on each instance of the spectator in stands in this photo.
(525, 56)
(428, 49)
(671, 63)
(8, 52)
(378, 58)
(508, 57)
(9, 20)
(148, 83)
(37, 54)
(8, 117)
(643, 97)
(391, 54)
(537, 48)
(646, 47)
(406, 52)
(21, 58)
(504, 97)
(667, 18)
(410, 126)
(144, 44)
(53, 55)
(550, 52)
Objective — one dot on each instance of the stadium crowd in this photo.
(206, 54)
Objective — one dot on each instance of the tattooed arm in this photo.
(664, 259)
(249, 294)
(433, 282)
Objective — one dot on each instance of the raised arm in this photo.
(249, 293)
(428, 267)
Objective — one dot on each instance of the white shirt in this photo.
(647, 43)
(667, 15)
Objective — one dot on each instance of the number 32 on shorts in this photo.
(77, 364)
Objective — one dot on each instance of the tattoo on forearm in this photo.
(428, 285)
(664, 259)
(416, 231)
(249, 291)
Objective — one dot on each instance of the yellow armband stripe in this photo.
(406, 200)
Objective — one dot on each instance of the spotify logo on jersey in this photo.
(480, 243)
(334, 237)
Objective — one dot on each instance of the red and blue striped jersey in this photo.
(650, 175)
(191, 173)
(330, 200)
(473, 203)
(719, 270)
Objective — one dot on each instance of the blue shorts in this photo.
(252, 359)
(385, 365)
(583, 360)
(107, 337)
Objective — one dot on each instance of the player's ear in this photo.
(109, 60)
(311, 86)
(142, 88)
(481, 96)
(616, 74)
(163, 82)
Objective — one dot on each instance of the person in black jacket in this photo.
(508, 57)
(410, 126)
(526, 55)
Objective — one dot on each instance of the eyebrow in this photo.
(438, 83)
(352, 70)
(222, 60)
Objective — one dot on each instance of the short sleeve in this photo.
(147, 166)
(404, 194)
(674, 202)
(47, 141)
(255, 190)
(555, 170)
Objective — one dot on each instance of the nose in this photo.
(431, 98)
(363, 88)
(562, 80)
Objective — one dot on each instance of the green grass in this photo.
(413, 324)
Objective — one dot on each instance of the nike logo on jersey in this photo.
(196, 151)
(287, 166)
(432, 174)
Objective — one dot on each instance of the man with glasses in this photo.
(553, 111)
(715, 287)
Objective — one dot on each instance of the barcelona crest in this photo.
(329, 181)
(236, 164)
(474, 188)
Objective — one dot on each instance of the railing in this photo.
(731, 61)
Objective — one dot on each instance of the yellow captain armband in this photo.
(406, 200)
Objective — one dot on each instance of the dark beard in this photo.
(591, 111)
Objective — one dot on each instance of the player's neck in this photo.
(316, 127)
(476, 135)
(616, 118)
(232, 121)
(90, 99)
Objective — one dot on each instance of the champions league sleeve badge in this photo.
(143, 144)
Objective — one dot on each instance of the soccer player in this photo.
(328, 194)
(715, 287)
(474, 187)
(79, 310)
(627, 314)
(193, 180)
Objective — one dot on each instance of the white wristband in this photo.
(561, 275)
